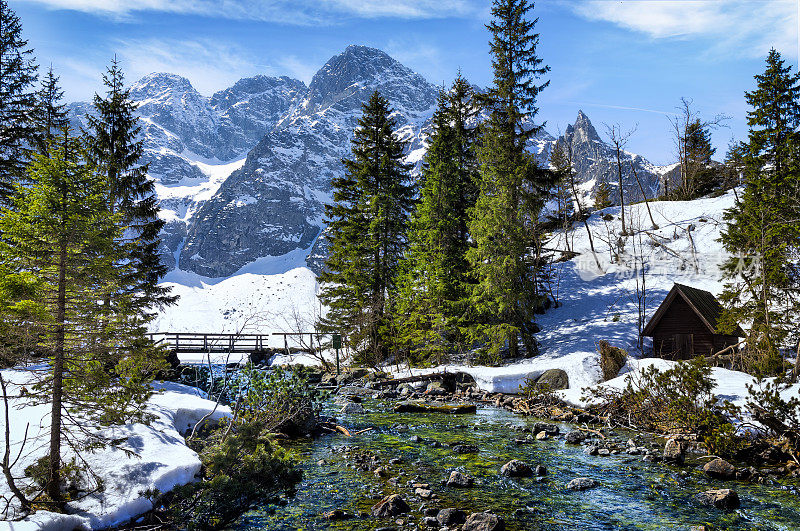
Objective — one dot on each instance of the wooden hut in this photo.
(685, 325)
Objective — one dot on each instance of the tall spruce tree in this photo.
(51, 114)
(763, 232)
(506, 257)
(701, 176)
(17, 101)
(367, 230)
(116, 150)
(433, 303)
(61, 240)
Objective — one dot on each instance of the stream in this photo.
(633, 494)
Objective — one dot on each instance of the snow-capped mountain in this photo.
(245, 174)
(192, 143)
(275, 203)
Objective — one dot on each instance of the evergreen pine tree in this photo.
(733, 170)
(702, 177)
(116, 149)
(62, 241)
(51, 114)
(17, 100)
(367, 228)
(433, 298)
(763, 236)
(507, 255)
(602, 197)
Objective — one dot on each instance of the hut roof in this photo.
(704, 304)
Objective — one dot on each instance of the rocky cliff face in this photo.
(189, 138)
(275, 203)
(595, 163)
(245, 173)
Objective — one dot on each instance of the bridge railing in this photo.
(200, 342)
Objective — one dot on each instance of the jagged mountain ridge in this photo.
(595, 163)
(188, 137)
(275, 203)
(223, 216)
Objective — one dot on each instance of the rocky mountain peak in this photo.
(583, 129)
(356, 69)
(160, 85)
(260, 85)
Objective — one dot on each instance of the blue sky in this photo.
(625, 62)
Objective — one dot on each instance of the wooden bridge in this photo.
(197, 343)
(201, 343)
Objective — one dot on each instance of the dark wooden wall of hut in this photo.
(681, 319)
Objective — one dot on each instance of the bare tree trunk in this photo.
(644, 196)
(580, 209)
(7, 464)
(621, 191)
(54, 480)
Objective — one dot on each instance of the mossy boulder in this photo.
(553, 379)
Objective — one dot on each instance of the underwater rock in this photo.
(582, 484)
(674, 451)
(392, 505)
(575, 437)
(726, 499)
(451, 516)
(352, 408)
(460, 480)
(483, 522)
(516, 469)
(720, 469)
(465, 449)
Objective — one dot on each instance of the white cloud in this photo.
(296, 12)
(748, 27)
(420, 57)
(406, 8)
(209, 65)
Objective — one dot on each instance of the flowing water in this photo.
(633, 494)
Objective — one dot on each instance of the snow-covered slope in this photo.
(159, 460)
(600, 303)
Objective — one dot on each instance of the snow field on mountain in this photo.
(161, 460)
(180, 201)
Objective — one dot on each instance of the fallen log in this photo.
(333, 428)
(422, 407)
(411, 379)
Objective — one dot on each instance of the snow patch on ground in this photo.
(598, 303)
(267, 296)
(162, 460)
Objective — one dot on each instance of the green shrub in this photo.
(278, 399)
(678, 400)
(241, 467)
(780, 416)
(242, 464)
